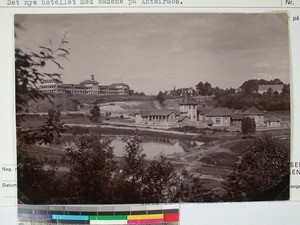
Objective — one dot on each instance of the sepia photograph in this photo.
(135, 108)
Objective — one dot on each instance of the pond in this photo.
(151, 147)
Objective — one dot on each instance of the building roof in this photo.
(177, 112)
(188, 100)
(252, 111)
(272, 119)
(144, 113)
(182, 117)
(112, 88)
(274, 87)
(237, 117)
(219, 112)
(119, 84)
(91, 81)
(161, 112)
(204, 110)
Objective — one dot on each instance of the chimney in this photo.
(92, 77)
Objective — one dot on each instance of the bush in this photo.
(248, 125)
(262, 168)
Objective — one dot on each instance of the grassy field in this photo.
(73, 102)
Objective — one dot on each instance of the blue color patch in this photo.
(69, 217)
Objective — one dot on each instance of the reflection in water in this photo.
(151, 148)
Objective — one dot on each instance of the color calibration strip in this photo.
(105, 219)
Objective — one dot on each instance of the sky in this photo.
(153, 52)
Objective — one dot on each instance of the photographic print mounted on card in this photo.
(152, 108)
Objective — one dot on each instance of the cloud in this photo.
(153, 52)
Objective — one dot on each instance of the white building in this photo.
(272, 122)
(189, 107)
(91, 86)
(255, 114)
(86, 87)
(265, 88)
(220, 117)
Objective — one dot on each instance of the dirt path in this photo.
(129, 128)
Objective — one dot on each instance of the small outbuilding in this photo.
(272, 122)
(255, 114)
(219, 116)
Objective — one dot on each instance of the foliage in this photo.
(92, 165)
(248, 125)
(29, 72)
(198, 192)
(251, 86)
(204, 88)
(29, 68)
(264, 166)
(95, 116)
(52, 128)
(244, 98)
(244, 101)
(134, 159)
(160, 97)
(159, 181)
(148, 181)
(33, 180)
(95, 178)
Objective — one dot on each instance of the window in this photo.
(218, 120)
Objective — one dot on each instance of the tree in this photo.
(33, 179)
(160, 97)
(128, 183)
(51, 129)
(264, 167)
(131, 92)
(286, 89)
(29, 68)
(250, 86)
(29, 72)
(160, 182)
(92, 165)
(200, 88)
(204, 88)
(95, 116)
(134, 159)
(208, 89)
(248, 125)
(270, 91)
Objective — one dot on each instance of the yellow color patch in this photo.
(142, 217)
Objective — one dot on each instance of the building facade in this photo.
(220, 117)
(270, 88)
(86, 87)
(189, 107)
(255, 114)
(273, 122)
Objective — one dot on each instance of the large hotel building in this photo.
(86, 87)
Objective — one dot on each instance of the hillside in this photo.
(79, 102)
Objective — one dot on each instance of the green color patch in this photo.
(117, 217)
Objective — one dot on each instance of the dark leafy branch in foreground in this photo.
(30, 72)
(29, 69)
